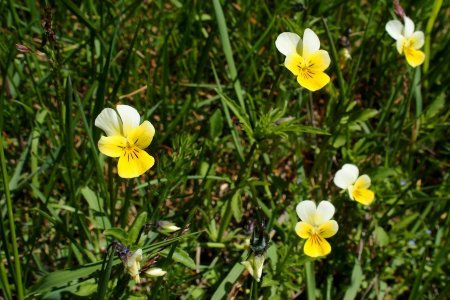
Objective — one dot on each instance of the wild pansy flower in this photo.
(254, 265)
(304, 59)
(126, 139)
(408, 40)
(133, 265)
(358, 187)
(316, 226)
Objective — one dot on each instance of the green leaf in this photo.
(229, 280)
(216, 125)
(94, 202)
(240, 114)
(236, 206)
(118, 234)
(381, 236)
(136, 227)
(365, 115)
(357, 277)
(86, 289)
(435, 107)
(181, 257)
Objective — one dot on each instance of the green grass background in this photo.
(234, 132)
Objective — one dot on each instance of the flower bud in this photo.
(155, 272)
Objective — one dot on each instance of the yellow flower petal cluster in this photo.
(126, 139)
(316, 226)
(304, 58)
(408, 40)
(358, 187)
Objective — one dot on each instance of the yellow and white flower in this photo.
(254, 265)
(408, 40)
(358, 187)
(304, 58)
(133, 265)
(126, 139)
(316, 226)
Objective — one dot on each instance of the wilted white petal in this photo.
(287, 42)
(346, 176)
(325, 211)
(306, 211)
(395, 29)
(130, 118)
(254, 266)
(133, 265)
(409, 27)
(311, 42)
(109, 122)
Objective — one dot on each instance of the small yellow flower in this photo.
(254, 265)
(408, 40)
(133, 265)
(126, 139)
(358, 187)
(316, 226)
(304, 59)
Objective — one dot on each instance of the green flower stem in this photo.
(4, 280)
(12, 228)
(310, 280)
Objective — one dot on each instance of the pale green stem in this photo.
(310, 280)
(12, 227)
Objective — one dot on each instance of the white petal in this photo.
(325, 211)
(346, 176)
(130, 118)
(418, 38)
(395, 29)
(306, 211)
(409, 27)
(287, 42)
(311, 42)
(399, 44)
(109, 122)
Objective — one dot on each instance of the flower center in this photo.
(131, 151)
(356, 192)
(305, 69)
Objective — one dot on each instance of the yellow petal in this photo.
(363, 196)
(328, 229)
(142, 135)
(293, 62)
(319, 60)
(134, 163)
(363, 182)
(314, 82)
(112, 146)
(316, 246)
(304, 230)
(414, 57)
